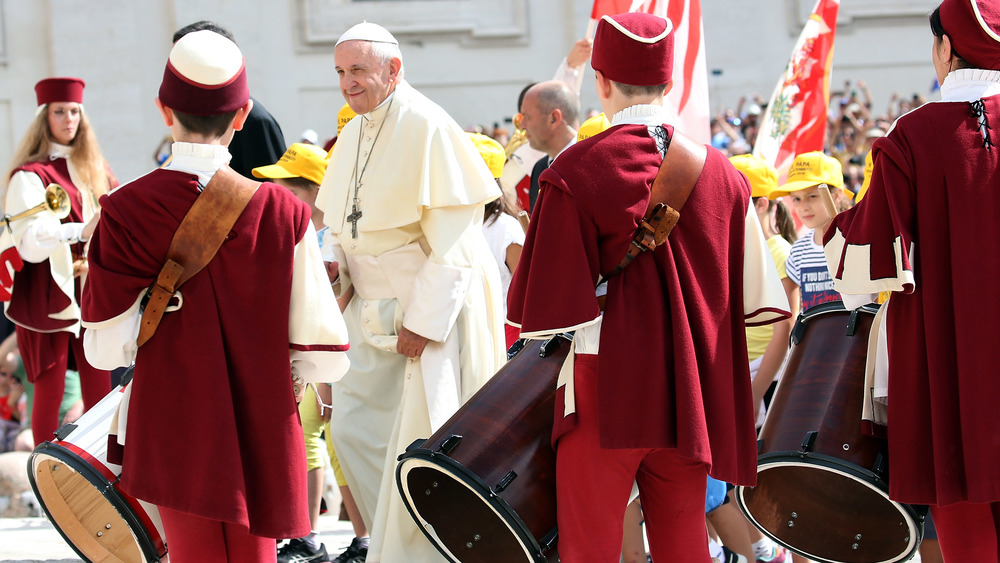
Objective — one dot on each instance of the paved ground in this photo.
(34, 540)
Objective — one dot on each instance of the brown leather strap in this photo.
(674, 181)
(197, 239)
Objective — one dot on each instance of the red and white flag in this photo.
(687, 101)
(795, 121)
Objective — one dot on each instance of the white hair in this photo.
(385, 52)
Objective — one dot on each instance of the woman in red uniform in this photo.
(59, 147)
(926, 232)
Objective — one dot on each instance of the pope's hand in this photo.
(410, 344)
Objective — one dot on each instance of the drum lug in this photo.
(505, 482)
(879, 467)
(852, 323)
(799, 330)
(449, 444)
(65, 430)
(549, 541)
(809, 441)
(416, 445)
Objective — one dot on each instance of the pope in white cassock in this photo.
(403, 198)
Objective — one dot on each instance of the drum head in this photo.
(90, 514)
(459, 514)
(792, 504)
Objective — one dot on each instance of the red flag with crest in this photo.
(795, 121)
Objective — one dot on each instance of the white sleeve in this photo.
(112, 343)
(764, 299)
(333, 252)
(572, 77)
(36, 236)
(317, 333)
(440, 286)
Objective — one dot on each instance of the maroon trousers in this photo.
(46, 356)
(193, 539)
(968, 531)
(593, 487)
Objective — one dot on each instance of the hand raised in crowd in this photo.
(580, 53)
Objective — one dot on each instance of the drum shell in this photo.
(822, 487)
(822, 390)
(77, 487)
(505, 431)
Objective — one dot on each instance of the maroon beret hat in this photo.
(634, 48)
(974, 29)
(205, 75)
(67, 89)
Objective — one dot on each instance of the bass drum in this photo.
(822, 488)
(482, 488)
(77, 486)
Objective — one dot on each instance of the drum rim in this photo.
(835, 307)
(146, 543)
(784, 459)
(448, 466)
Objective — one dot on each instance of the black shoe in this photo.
(355, 553)
(298, 551)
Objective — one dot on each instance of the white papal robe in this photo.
(419, 260)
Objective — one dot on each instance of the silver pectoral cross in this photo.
(353, 218)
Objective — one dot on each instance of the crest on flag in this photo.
(795, 121)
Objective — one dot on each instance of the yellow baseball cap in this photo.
(491, 151)
(869, 166)
(763, 177)
(343, 116)
(811, 169)
(301, 160)
(593, 126)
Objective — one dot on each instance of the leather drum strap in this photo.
(196, 241)
(674, 181)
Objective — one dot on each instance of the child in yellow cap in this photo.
(806, 265)
(503, 232)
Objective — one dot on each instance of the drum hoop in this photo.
(86, 465)
(910, 514)
(823, 461)
(473, 482)
(834, 307)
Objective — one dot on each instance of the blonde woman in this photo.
(59, 147)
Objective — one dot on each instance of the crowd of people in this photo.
(355, 299)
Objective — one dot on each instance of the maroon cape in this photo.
(935, 186)
(213, 426)
(672, 368)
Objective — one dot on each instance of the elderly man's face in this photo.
(365, 81)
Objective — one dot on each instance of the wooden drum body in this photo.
(482, 488)
(77, 487)
(822, 488)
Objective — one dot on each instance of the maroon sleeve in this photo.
(553, 285)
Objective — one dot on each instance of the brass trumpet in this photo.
(517, 139)
(56, 201)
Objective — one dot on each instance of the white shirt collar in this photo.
(970, 84)
(380, 111)
(202, 160)
(59, 151)
(641, 114)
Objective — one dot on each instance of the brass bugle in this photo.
(515, 142)
(56, 201)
